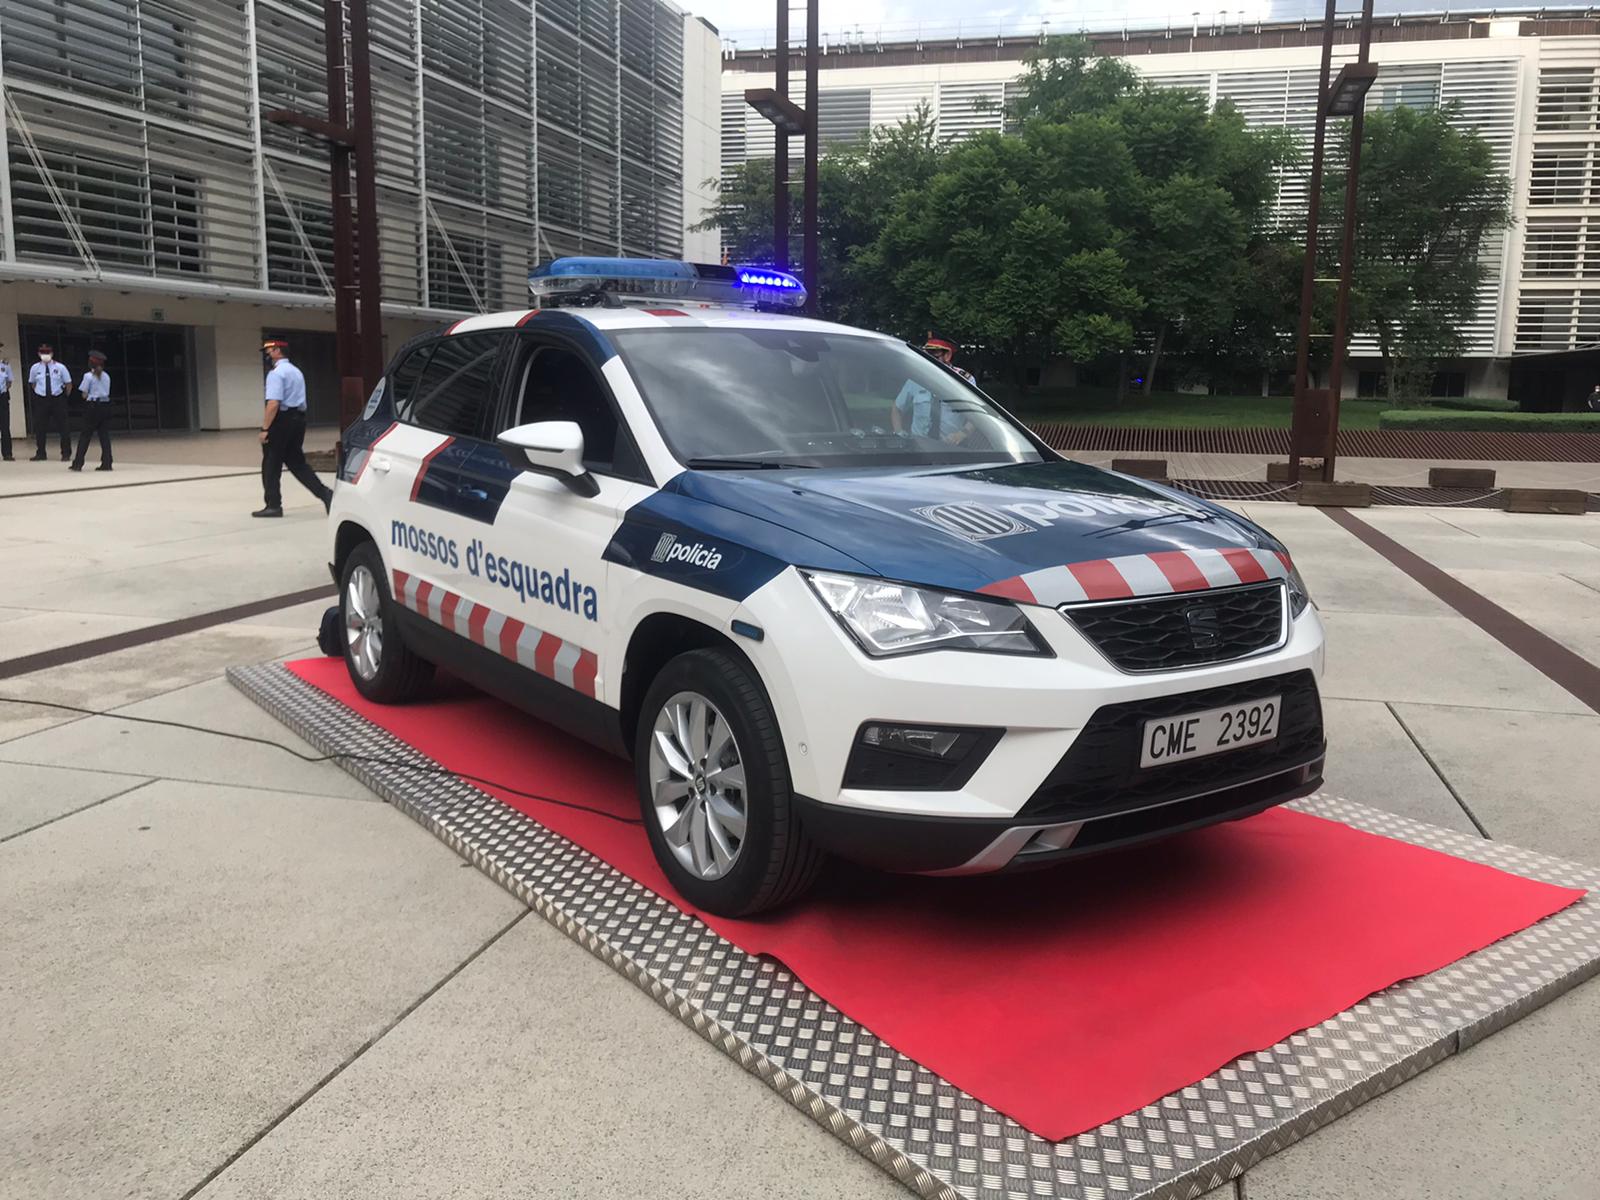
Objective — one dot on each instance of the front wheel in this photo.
(714, 788)
(381, 665)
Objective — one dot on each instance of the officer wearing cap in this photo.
(5, 404)
(50, 383)
(96, 389)
(945, 352)
(283, 433)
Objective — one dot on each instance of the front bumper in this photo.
(967, 846)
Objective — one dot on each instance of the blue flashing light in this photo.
(657, 279)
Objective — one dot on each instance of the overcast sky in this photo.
(751, 21)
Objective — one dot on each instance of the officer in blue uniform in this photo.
(283, 433)
(96, 388)
(50, 383)
(6, 379)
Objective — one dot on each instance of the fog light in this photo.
(917, 757)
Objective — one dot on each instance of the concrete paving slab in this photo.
(186, 961)
(1517, 1115)
(537, 1072)
(1493, 523)
(1467, 552)
(1372, 761)
(1559, 607)
(1433, 660)
(25, 476)
(112, 680)
(1530, 778)
(107, 744)
(31, 795)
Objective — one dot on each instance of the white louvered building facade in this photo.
(149, 209)
(1530, 86)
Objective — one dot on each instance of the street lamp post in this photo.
(1315, 424)
(790, 120)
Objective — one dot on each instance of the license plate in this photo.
(1212, 731)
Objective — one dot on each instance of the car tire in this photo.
(774, 861)
(382, 667)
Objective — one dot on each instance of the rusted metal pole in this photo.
(346, 334)
(808, 217)
(1308, 272)
(1347, 255)
(780, 150)
(369, 275)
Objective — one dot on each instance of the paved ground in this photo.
(224, 973)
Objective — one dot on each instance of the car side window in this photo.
(403, 379)
(558, 385)
(455, 392)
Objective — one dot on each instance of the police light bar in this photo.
(654, 279)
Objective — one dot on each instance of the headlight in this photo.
(1299, 597)
(896, 618)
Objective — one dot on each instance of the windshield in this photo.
(785, 397)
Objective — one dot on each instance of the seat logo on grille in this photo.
(975, 522)
(1205, 630)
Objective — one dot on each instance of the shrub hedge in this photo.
(1489, 422)
(1474, 404)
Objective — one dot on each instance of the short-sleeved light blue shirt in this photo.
(286, 385)
(97, 390)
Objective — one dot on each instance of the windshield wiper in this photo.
(745, 464)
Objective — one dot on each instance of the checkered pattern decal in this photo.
(553, 657)
(1161, 574)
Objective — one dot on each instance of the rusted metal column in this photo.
(780, 150)
(369, 266)
(1347, 255)
(1308, 272)
(346, 334)
(808, 218)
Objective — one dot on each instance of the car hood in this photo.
(1050, 532)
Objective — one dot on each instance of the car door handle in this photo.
(381, 464)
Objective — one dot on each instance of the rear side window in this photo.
(403, 379)
(455, 391)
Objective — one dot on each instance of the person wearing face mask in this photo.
(96, 389)
(49, 383)
(5, 405)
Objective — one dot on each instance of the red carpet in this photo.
(1065, 998)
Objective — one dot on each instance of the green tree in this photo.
(1429, 195)
(857, 186)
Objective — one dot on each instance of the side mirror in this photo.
(551, 448)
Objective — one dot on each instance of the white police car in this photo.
(698, 533)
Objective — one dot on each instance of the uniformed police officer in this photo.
(50, 383)
(96, 389)
(5, 404)
(283, 433)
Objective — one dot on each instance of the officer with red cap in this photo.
(283, 432)
(96, 389)
(945, 352)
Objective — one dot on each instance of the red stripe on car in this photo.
(1180, 571)
(1100, 579)
(583, 674)
(480, 618)
(544, 656)
(447, 611)
(1014, 588)
(1284, 559)
(525, 318)
(665, 312)
(424, 593)
(509, 633)
(400, 581)
(1245, 565)
(422, 471)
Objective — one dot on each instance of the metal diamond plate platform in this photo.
(934, 1138)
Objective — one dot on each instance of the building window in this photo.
(1567, 100)
(1559, 175)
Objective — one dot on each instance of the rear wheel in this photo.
(381, 665)
(714, 788)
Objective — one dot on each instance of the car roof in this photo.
(667, 314)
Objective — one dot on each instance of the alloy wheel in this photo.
(363, 622)
(697, 783)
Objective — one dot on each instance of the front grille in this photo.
(1100, 772)
(1164, 633)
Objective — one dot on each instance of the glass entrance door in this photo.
(151, 368)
